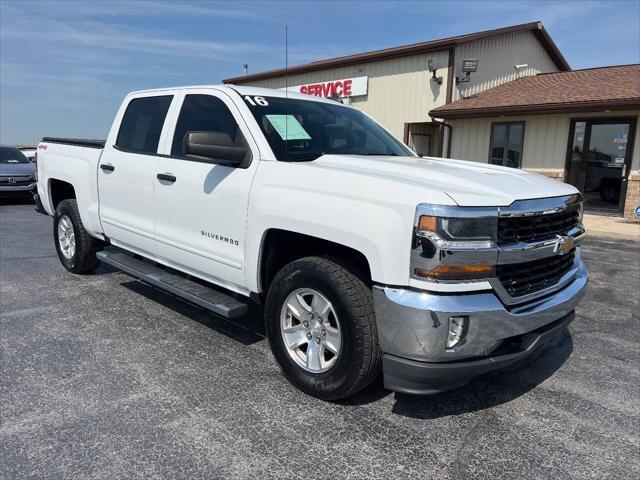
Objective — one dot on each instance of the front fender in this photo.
(381, 232)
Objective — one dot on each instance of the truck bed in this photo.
(75, 162)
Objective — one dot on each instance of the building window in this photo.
(507, 139)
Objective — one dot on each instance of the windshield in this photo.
(12, 155)
(303, 130)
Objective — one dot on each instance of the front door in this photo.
(201, 210)
(599, 161)
(126, 174)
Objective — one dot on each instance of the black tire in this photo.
(359, 360)
(609, 194)
(84, 259)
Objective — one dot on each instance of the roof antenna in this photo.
(286, 60)
(286, 93)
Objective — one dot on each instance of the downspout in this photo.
(450, 127)
(448, 99)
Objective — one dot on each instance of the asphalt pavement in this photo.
(102, 376)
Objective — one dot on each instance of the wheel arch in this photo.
(60, 190)
(280, 247)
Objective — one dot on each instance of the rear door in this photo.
(126, 173)
(201, 210)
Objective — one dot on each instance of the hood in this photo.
(17, 169)
(468, 184)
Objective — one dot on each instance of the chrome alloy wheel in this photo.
(310, 330)
(66, 237)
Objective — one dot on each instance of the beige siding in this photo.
(497, 57)
(399, 90)
(545, 138)
(469, 138)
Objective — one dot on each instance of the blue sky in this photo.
(65, 65)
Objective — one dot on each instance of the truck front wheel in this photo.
(76, 248)
(321, 327)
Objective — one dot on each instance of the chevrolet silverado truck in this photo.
(365, 257)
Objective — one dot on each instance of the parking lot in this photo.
(105, 377)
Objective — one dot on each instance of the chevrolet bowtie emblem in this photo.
(564, 244)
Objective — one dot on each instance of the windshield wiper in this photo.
(377, 154)
(307, 158)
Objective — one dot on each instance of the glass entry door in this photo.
(599, 160)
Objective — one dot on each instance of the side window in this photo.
(210, 115)
(142, 124)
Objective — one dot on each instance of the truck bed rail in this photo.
(78, 142)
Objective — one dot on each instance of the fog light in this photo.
(457, 330)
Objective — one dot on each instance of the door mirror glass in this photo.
(214, 147)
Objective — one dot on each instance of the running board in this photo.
(209, 298)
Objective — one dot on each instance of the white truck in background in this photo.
(366, 257)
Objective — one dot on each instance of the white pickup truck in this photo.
(366, 257)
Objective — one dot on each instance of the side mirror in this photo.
(215, 147)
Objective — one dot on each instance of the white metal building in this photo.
(400, 86)
(418, 91)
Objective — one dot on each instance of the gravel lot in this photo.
(104, 377)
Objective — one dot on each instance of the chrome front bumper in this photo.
(413, 325)
(18, 188)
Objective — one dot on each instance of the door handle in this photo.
(107, 167)
(167, 177)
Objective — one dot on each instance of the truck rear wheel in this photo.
(76, 248)
(321, 327)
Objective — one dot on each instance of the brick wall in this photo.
(633, 196)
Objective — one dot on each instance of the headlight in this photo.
(454, 244)
(459, 232)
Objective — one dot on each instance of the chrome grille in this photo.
(16, 181)
(537, 227)
(520, 279)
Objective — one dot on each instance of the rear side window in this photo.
(205, 113)
(142, 124)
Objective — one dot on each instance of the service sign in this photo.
(346, 87)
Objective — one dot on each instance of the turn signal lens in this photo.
(446, 272)
(427, 224)
(457, 330)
